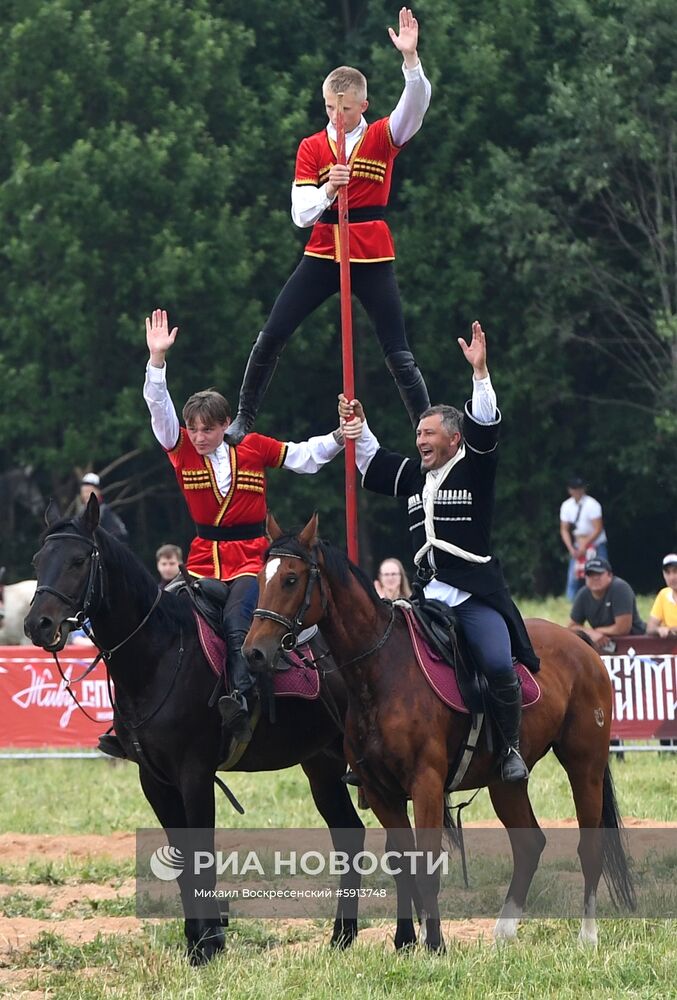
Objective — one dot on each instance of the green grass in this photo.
(556, 609)
(264, 959)
(68, 870)
(635, 960)
(32, 796)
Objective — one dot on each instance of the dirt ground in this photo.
(18, 932)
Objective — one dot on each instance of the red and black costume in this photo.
(371, 151)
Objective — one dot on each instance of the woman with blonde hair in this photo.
(392, 582)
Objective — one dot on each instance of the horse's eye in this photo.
(291, 581)
(76, 563)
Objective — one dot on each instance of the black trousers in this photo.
(316, 279)
(242, 595)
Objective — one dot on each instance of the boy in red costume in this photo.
(371, 151)
(225, 490)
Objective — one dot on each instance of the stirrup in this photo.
(512, 766)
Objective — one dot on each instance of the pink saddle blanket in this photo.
(300, 681)
(442, 678)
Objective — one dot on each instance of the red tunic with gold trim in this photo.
(372, 169)
(244, 504)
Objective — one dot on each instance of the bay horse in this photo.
(162, 686)
(400, 737)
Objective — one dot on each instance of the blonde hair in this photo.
(345, 78)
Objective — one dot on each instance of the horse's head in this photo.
(68, 574)
(291, 594)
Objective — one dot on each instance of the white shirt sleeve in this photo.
(407, 118)
(366, 447)
(308, 203)
(483, 400)
(309, 456)
(163, 418)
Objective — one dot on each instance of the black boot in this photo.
(409, 382)
(236, 707)
(505, 698)
(111, 746)
(257, 375)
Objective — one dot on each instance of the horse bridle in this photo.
(93, 587)
(294, 625)
(94, 578)
(289, 640)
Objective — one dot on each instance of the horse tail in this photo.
(615, 867)
(584, 636)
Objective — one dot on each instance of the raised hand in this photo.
(476, 351)
(407, 39)
(158, 337)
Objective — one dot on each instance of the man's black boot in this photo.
(505, 698)
(111, 746)
(410, 383)
(257, 376)
(235, 708)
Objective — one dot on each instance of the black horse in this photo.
(163, 684)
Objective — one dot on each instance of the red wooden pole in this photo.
(346, 335)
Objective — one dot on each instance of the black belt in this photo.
(370, 213)
(238, 533)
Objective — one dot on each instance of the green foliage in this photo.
(146, 157)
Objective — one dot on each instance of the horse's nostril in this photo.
(255, 655)
(45, 622)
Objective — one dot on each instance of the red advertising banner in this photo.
(643, 672)
(36, 710)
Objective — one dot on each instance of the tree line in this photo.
(146, 156)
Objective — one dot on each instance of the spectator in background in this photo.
(108, 519)
(168, 559)
(608, 604)
(392, 582)
(581, 528)
(663, 617)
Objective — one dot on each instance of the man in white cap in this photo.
(663, 617)
(108, 519)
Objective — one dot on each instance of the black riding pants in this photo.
(242, 595)
(315, 280)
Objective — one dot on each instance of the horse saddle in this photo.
(208, 598)
(446, 661)
(439, 626)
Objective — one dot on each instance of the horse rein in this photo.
(289, 640)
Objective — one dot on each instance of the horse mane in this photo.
(336, 561)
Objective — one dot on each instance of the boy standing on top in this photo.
(371, 150)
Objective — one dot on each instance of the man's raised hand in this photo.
(351, 415)
(476, 351)
(407, 39)
(158, 337)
